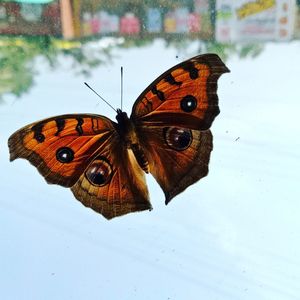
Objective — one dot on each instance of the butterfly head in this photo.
(124, 123)
(121, 116)
(126, 128)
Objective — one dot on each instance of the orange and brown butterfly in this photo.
(104, 162)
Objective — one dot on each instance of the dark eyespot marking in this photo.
(160, 94)
(193, 71)
(60, 124)
(79, 126)
(39, 137)
(99, 172)
(65, 155)
(37, 129)
(188, 103)
(178, 138)
(171, 80)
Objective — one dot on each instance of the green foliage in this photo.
(16, 66)
(18, 54)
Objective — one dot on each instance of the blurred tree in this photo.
(16, 74)
(17, 55)
(16, 66)
(17, 60)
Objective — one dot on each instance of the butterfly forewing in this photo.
(61, 147)
(184, 96)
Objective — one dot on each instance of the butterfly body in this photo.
(127, 132)
(126, 128)
(104, 162)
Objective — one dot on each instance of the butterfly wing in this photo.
(61, 147)
(183, 96)
(84, 151)
(178, 157)
(172, 117)
(125, 190)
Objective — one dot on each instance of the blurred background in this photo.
(32, 28)
(233, 235)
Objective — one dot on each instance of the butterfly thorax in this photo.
(128, 134)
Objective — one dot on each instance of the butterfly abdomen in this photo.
(140, 157)
(127, 132)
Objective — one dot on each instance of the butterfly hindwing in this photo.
(178, 157)
(124, 191)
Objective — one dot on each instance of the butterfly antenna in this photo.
(100, 97)
(121, 88)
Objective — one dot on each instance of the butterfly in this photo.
(104, 162)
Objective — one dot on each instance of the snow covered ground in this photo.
(233, 235)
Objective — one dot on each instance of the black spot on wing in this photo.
(188, 103)
(79, 126)
(171, 80)
(193, 71)
(37, 130)
(60, 124)
(64, 155)
(160, 94)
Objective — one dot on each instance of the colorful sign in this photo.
(259, 20)
(130, 24)
(154, 20)
(69, 19)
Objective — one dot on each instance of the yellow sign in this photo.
(252, 8)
